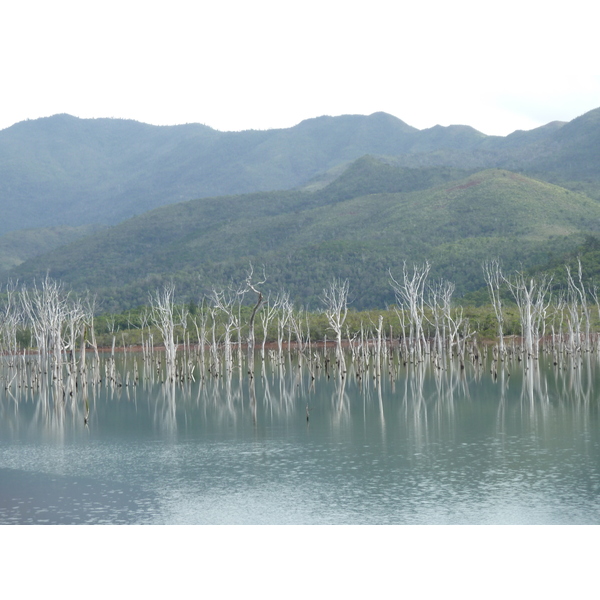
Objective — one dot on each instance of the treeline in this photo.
(305, 272)
(48, 318)
(129, 326)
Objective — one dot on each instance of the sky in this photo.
(264, 64)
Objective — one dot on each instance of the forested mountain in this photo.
(348, 196)
(62, 170)
(67, 171)
(364, 223)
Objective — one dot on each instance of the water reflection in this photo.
(384, 442)
(425, 394)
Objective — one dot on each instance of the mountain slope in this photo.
(18, 246)
(67, 171)
(62, 170)
(304, 239)
(573, 151)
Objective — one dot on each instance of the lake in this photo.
(422, 447)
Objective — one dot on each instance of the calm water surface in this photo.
(455, 447)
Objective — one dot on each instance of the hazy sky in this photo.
(264, 64)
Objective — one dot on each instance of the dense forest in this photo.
(303, 239)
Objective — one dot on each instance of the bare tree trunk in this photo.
(532, 301)
(335, 298)
(494, 279)
(579, 296)
(409, 295)
(163, 316)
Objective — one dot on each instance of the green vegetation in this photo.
(62, 170)
(128, 329)
(305, 239)
(18, 246)
(369, 193)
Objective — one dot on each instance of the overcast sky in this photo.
(265, 64)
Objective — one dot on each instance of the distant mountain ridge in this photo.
(62, 170)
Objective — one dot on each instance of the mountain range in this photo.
(349, 196)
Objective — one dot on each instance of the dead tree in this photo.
(439, 303)
(200, 320)
(494, 280)
(579, 308)
(163, 316)
(296, 321)
(285, 310)
(266, 316)
(74, 330)
(335, 299)
(11, 319)
(532, 300)
(89, 308)
(253, 286)
(409, 296)
(46, 309)
(225, 302)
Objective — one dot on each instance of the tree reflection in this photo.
(419, 394)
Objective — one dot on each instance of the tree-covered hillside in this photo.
(62, 170)
(349, 197)
(66, 171)
(360, 226)
(18, 246)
